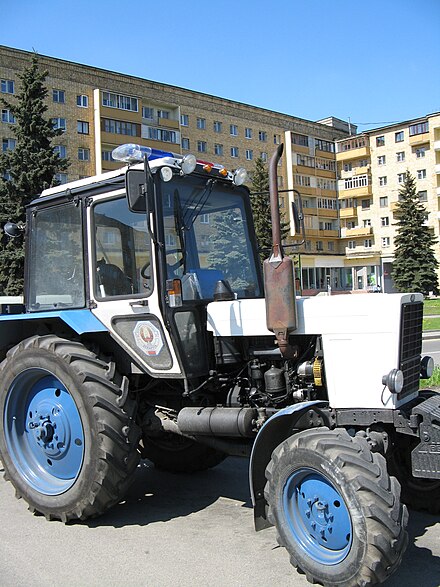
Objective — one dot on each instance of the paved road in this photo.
(173, 530)
(431, 347)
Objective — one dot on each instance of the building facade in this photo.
(349, 227)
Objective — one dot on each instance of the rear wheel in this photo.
(175, 453)
(67, 446)
(335, 508)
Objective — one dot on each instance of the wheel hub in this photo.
(44, 432)
(317, 516)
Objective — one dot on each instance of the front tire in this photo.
(335, 508)
(67, 446)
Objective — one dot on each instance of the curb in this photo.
(431, 335)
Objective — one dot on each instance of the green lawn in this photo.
(435, 379)
(431, 324)
(431, 307)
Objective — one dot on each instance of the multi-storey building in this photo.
(349, 182)
(371, 169)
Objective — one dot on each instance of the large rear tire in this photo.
(171, 452)
(67, 446)
(335, 508)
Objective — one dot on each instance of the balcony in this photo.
(361, 252)
(420, 139)
(349, 154)
(437, 168)
(356, 232)
(359, 192)
(436, 145)
(348, 212)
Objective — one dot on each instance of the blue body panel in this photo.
(81, 321)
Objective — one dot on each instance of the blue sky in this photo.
(374, 62)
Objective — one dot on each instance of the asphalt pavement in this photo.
(174, 530)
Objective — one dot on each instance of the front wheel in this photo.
(67, 446)
(335, 508)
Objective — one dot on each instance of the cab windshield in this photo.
(206, 235)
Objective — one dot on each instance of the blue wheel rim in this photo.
(43, 431)
(317, 517)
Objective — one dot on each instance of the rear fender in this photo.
(279, 427)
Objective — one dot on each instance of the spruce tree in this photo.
(260, 203)
(25, 170)
(414, 267)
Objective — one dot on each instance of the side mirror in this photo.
(134, 185)
(298, 217)
(13, 230)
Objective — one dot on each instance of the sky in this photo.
(373, 62)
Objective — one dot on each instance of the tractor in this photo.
(148, 329)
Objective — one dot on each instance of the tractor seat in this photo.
(112, 280)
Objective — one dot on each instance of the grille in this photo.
(410, 346)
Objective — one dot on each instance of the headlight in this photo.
(188, 164)
(426, 367)
(240, 176)
(394, 380)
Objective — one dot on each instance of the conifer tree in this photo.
(414, 266)
(260, 204)
(25, 170)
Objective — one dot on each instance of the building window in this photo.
(82, 101)
(163, 114)
(247, 133)
(399, 136)
(327, 204)
(358, 181)
(184, 119)
(305, 160)
(263, 156)
(418, 129)
(421, 174)
(380, 141)
(347, 166)
(119, 101)
(262, 136)
(367, 222)
(386, 241)
(383, 181)
(423, 196)
(217, 126)
(351, 244)
(185, 143)
(83, 154)
(82, 127)
(302, 180)
(59, 123)
(234, 151)
(420, 152)
(368, 243)
(8, 117)
(8, 144)
(7, 86)
(233, 129)
(61, 177)
(325, 164)
(381, 160)
(383, 202)
(276, 139)
(319, 246)
(366, 204)
(400, 156)
(326, 146)
(61, 151)
(325, 226)
(331, 246)
(385, 221)
(201, 146)
(148, 112)
(249, 154)
(218, 149)
(204, 218)
(301, 140)
(401, 177)
(107, 155)
(59, 96)
(121, 127)
(201, 123)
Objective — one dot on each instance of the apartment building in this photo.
(371, 169)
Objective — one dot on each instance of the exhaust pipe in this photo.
(279, 284)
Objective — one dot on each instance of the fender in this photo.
(274, 431)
